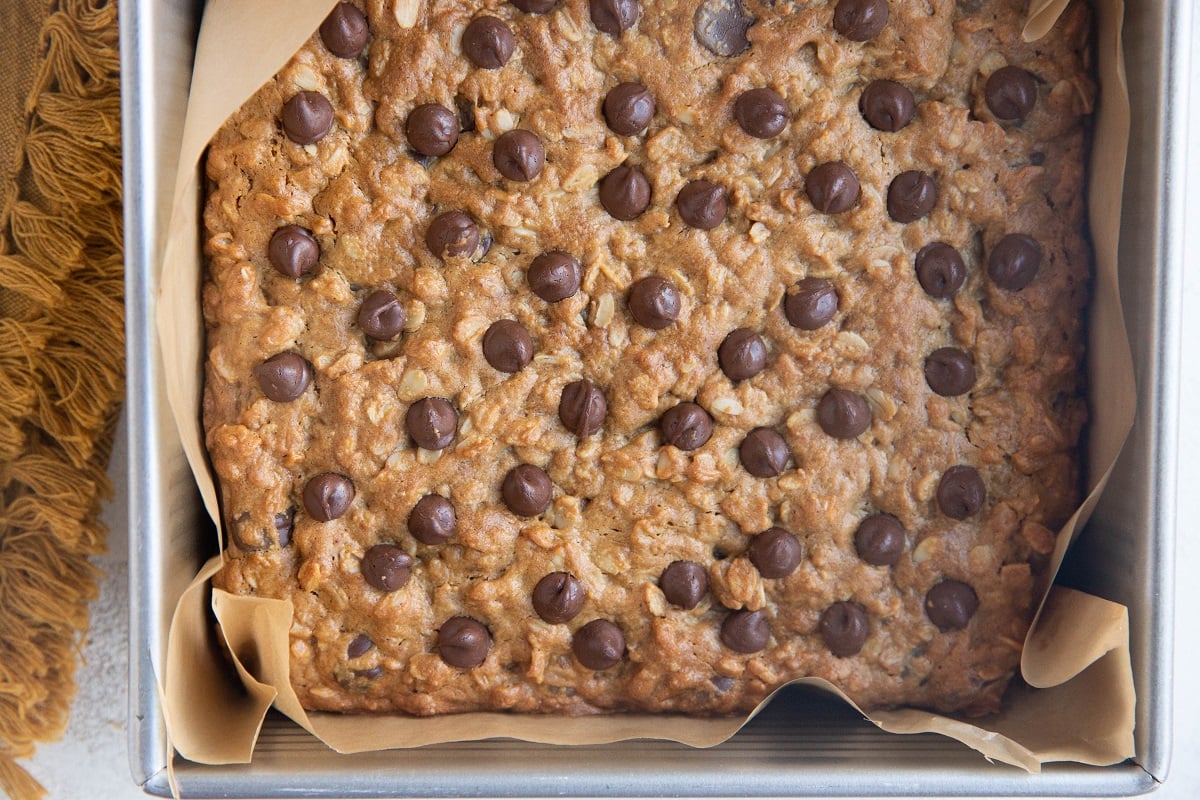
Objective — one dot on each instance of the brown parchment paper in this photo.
(1077, 652)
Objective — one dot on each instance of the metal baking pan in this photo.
(804, 745)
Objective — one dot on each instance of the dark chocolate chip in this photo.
(452, 234)
(466, 112)
(507, 346)
(432, 130)
(742, 354)
(535, 6)
(386, 567)
(283, 527)
(687, 426)
(911, 195)
(844, 628)
(628, 108)
(887, 105)
(951, 604)
(614, 16)
(432, 520)
(764, 453)
(949, 371)
(599, 644)
(558, 597)
(684, 583)
(702, 204)
(328, 496)
(582, 408)
(293, 251)
(762, 112)
(721, 26)
(860, 20)
(555, 276)
(625, 193)
(832, 187)
(283, 377)
(812, 305)
(1010, 93)
(746, 631)
(960, 492)
(527, 490)
(359, 645)
(488, 42)
(654, 302)
(775, 552)
(879, 540)
(381, 317)
(246, 536)
(463, 642)
(940, 269)
(307, 117)
(519, 155)
(432, 423)
(843, 414)
(345, 31)
(369, 674)
(1014, 261)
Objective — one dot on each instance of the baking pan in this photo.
(804, 744)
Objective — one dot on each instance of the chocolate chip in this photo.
(654, 302)
(860, 20)
(452, 234)
(951, 604)
(381, 317)
(687, 426)
(359, 645)
(812, 305)
(432, 423)
(488, 42)
(1014, 261)
(763, 453)
(463, 642)
(432, 520)
(911, 196)
(582, 408)
(721, 25)
(599, 644)
(887, 105)
(432, 130)
(246, 536)
(684, 583)
(345, 31)
(386, 567)
(369, 674)
(614, 16)
(762, 113)
(721, 683)
(746, 631)
(519, 155)
(307, 117)
(558, 597)
(843, 414)
(844, 628)
(702, 204)
(466, 112)
(293, 251)
(742, 355)
(527, 490)
(628, 108)
(1010, 93)
(960, 492)
(832, 187)
(940, 269)
(283, 377)
(328, 496)
(535, 6)
(625, 193)
(507, 346)
(555, 276)
(775, 552)
(283, 527)
(949, 371)
(879, 540)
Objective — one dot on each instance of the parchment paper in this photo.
(1077, 652)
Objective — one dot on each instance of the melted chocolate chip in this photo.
(860, 20)
(558, 597)
(488, 42)
(369, 674)
(940, 270)
(614, 16)
(463, 642)
(432, 423)
(432, 520)
(833, 187)
(466, 112)
(687, 426)
(293, 251)
(746, 631)
(344, 32)
(452, 234)
(949, 371)
(950, 605)
(684, 583)
(762, 113)
(844, 628)
(519, 155)
(812, 305)
(535, 6)
(776, 553)
(742, 355)
(359, 645)
(555, 276)
(283, 377)
(1014, 262)
(911, 195)
(721, 25)
(582, 408)
(887, 105)
(386, 567)
(599, 644)
(654, 302)
(879, 540)
(843, 414)
(507, 346)
(625, 193)
(764, 453)
(381, 317)
(283, 527)
(628, 108)
(1010, 93)
(960, 492)
(328, 496)
(432, 130)
(307, 117)
(527, 490)
(702, 204)
(246, 536)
